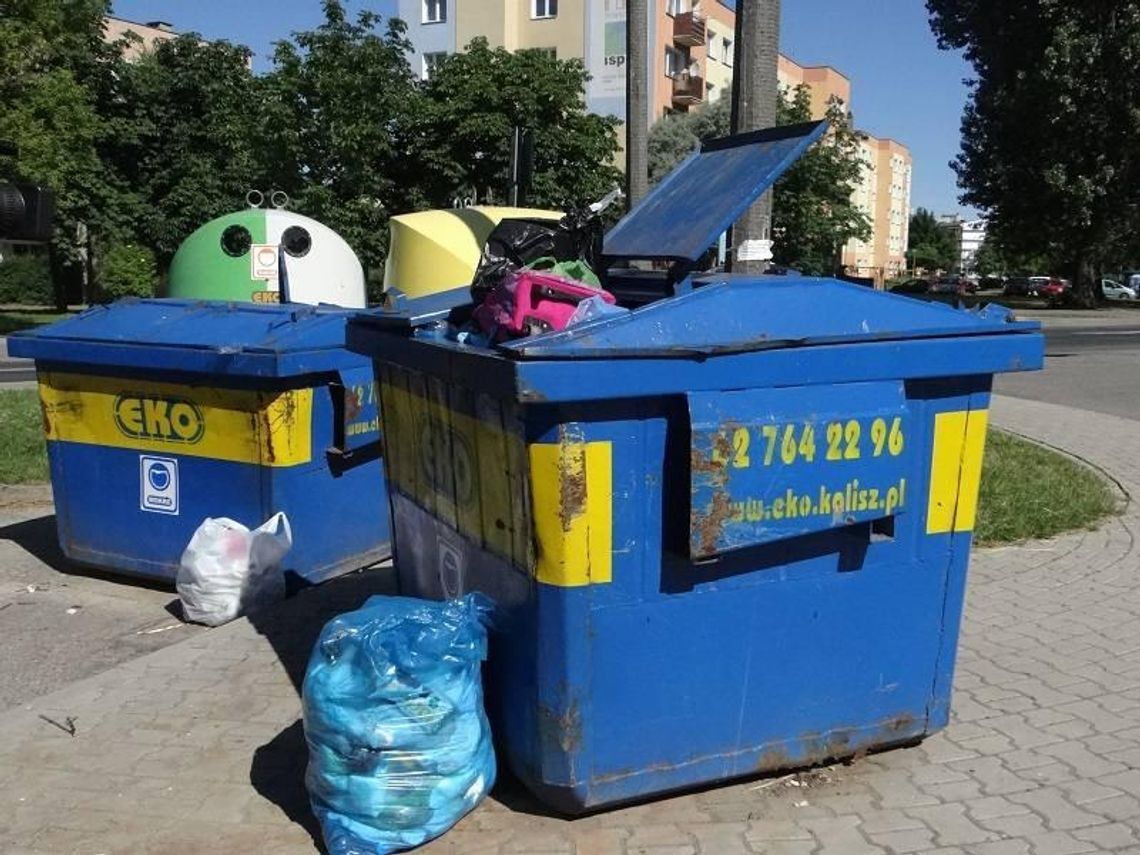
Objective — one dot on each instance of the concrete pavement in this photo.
(197, 747)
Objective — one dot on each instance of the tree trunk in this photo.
(1085, 285)
(754, 89)
(636, 101)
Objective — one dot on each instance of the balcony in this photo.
(688, 90)
(689, 29)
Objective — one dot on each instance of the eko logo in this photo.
(162, 419)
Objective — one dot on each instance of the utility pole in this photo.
(636, 101)
(754, 88)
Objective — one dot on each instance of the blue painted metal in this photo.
(699, 200)
(793, 461)
(732, 314)
(401, 312)
(237, 339)
(723, 646)
(340, 522)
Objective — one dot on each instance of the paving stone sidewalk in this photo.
(197, 748)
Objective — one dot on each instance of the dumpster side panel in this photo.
(138, 463)
(792, 652)
(956, 455)
(334, 531)
(107, 517)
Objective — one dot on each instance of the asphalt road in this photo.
(1089, 365)
(16, 371)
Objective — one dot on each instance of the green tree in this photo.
(931, 245)
(344, 128)
(57, 78)
(480, 95)
(127, 270)
(989, 259)
(1049, 133)
(813, 212)
(186, 138)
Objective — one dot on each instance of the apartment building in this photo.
(689, 63)
(148, 34)
(884, 197)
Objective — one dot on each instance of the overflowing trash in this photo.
(535, 274)
(228, 570)
(399, 744)
(530, 302)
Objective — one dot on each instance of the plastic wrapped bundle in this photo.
(399, 745)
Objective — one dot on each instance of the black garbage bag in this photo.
(519, 242)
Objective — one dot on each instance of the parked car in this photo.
(1113, 290)
(1036, 283)
(990, 283)
(953, 284)
(912, 286)
(1053, 287)
(1017, 286)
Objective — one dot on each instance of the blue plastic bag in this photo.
(399, 745)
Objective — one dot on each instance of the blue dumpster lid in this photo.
(243, 339)
(739, 314)
(685, 214)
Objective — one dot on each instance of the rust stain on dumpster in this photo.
(563, 729)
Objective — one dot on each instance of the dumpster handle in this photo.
(340, 455)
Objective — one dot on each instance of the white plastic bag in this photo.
(227, 570)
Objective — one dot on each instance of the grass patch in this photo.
(14, 320)
(1029, 492)
(23, 454)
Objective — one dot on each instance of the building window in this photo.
(710, 92)
(726, 51)
(432, 62)
(543, 8)
(712, 43)
(549, 52)
(675, 7)
(435, 11)
(676, 61)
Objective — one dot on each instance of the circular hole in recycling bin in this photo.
(296, 241)
(236, 241)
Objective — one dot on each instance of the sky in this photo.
(903, 86)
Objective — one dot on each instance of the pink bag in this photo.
(530, 302)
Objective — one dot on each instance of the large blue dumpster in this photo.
(728, 532)
(160, 413)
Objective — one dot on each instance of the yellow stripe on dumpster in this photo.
(572, 501)
(241, 426)
(956, 470)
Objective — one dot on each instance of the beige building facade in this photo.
(148, 34)
(884, 197)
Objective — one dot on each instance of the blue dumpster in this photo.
(160, 413)
(728, 532)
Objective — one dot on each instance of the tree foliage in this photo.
(813, 212)
(479, 96)
(1049, 133)
(56, 80)
(127, 270)
(932, 245)
(143, 152)
(186, 138)
(342, 124)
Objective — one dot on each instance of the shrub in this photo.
(127, 270)
(26, 279)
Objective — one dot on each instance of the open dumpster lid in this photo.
(741, 314)
(237, 339)
(684, 215)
